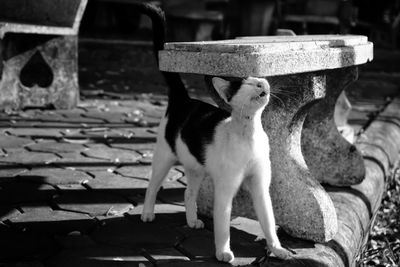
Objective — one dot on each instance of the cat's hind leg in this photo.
(258, 184)
(194, 179)
(163, 160)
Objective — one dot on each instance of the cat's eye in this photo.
(259, 85)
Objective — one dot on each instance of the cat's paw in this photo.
(280, 252)
(196, 224)
(225, 256)
(148, 216)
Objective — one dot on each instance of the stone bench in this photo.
(307, 74)
(38, 45)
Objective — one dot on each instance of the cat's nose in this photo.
(263, 94)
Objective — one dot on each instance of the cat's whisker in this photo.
(283, 91)
(280, 100)
(291, 97)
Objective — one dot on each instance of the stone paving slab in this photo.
(92, 203)
(42, 219)
(144, 172)
(111, 154)
(166, 255)
(20, 156)
(97, 256)
(10, 170)
(77, 160)
(35, 132)
(55, 176)
(8, 212)
(55, 147)
(105, 181)
(16, 191)
(24, 246)
(8, 141)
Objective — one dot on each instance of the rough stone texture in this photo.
(39, 44)
(55, 176)
(144, 172)
(112, 154)
(6, 213)
(35, 133)
(312, 216)
(117, 184)
(41, 76)
(97, 255)
(167, 255)
(59, 17)
(93, 203)
(330, 157)
(7, 141)
(266, 56)
(43, 219)
(56, 147)
(10, 170)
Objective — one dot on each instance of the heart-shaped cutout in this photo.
(36, 72)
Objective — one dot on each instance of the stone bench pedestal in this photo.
(39, 53)
(306, 74)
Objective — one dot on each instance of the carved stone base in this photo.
(39, 71)
(330, 157)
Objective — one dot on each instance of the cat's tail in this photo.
(176, 89)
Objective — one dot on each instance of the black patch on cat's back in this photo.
(196, 123)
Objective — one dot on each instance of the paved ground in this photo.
(72, 186)
(72, 182)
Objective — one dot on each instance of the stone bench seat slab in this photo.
(302, 71)
(259, 43)
(265, 56)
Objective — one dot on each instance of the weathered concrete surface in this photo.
(38, 41)
(355, 207)
(301, 205)
(330, 157)
(60, 17)
(268, 56)
(41, 75)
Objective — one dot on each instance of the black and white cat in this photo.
(230, 148)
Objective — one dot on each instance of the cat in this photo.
(231, 147)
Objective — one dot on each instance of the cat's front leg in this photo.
(224, 191)
(259, 189)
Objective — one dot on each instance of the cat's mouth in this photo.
(262, 94)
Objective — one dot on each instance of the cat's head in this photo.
(250, 94)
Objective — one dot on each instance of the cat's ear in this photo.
(222, 87)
